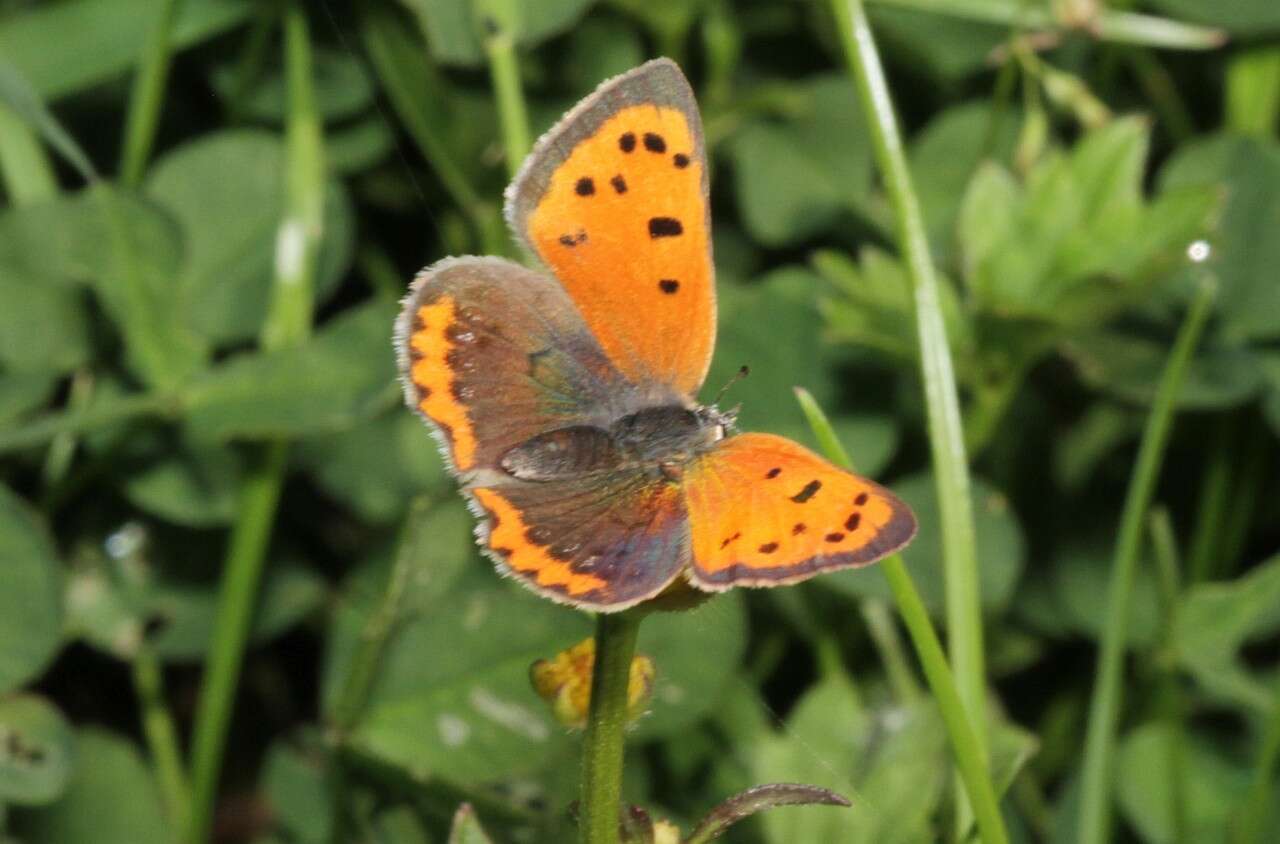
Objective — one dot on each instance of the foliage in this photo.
(1063, 157)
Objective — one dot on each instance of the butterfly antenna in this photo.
(743, 372)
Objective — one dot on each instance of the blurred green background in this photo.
(155, 383)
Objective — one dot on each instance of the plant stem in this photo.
(147, 96)
(889, 645)
(1104, 707)
(946, 435)
(504, 68)
(237, 599)
(162, 737)
(100, 414)
(970, 758)
(377, 630)
(1168, 691)
(602, 746)
(1215, 501)
(288, 323)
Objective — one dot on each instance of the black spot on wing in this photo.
(665, 227)
(619, 183)
(572, 240)
(851, 523)
(810, 490)
(773, 473)
(768, 548)
(627, 142)
(669, 285)
(654, 142)
(680, 160)
(861, 499)
(585, 186)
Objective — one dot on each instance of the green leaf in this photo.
(872, 305)
(1246, 255)
(226, 191)
(295, 781)
(892, 762)
(111, 602)
(1080, 573)
(193, 484)
(601, 48)
(30, 594)
(466, 827)
(111, 799)
(1001, 549)
(334, 380)
(1215, 620)
(1128, 366)
(944, 155)
(23, 392)
(342, 88)
(1270, 366)
(452, 27)
(376, 468)
(791, 181)
(946, 47)
(1252, 18)
(1144, 790)
(65, 47)
(44, 327)
(36, 753)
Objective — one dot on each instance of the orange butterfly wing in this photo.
(614, 199)
(764, 511)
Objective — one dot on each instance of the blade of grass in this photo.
(100, 414)
(970, 758)
(1104, 707)
(378, 629)
(1215, 501)
(946, 435)
(161, 736)
(1103, 24)
(288, 323)
(1169, 692)
(25, 169)
(409, 79)
(147, 96)
(1253, 91)
(504, 69)
(25, 103)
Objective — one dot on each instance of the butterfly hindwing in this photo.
(614, 199)
(602, 541)
(764, 511)
(492, 354)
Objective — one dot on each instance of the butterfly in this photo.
(565, 404)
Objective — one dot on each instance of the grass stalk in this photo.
(288, 323)
(970, 756)
(161, 736)
(1169, 691)
(1215, 501)
(1104, 707)
(946, 434)
(604, 741)
(1104, 24)
(147, 95)
(99, 414)
(378, 629)
(513, 115)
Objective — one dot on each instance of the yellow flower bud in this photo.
(564, 682)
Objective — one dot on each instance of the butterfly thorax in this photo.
(660, 439)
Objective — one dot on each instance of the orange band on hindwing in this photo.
(508, 540)
(434, 378)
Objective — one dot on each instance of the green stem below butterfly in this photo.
(603, 743)
(970, 758)
(1104, 707)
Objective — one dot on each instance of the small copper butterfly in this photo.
(566, 405)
